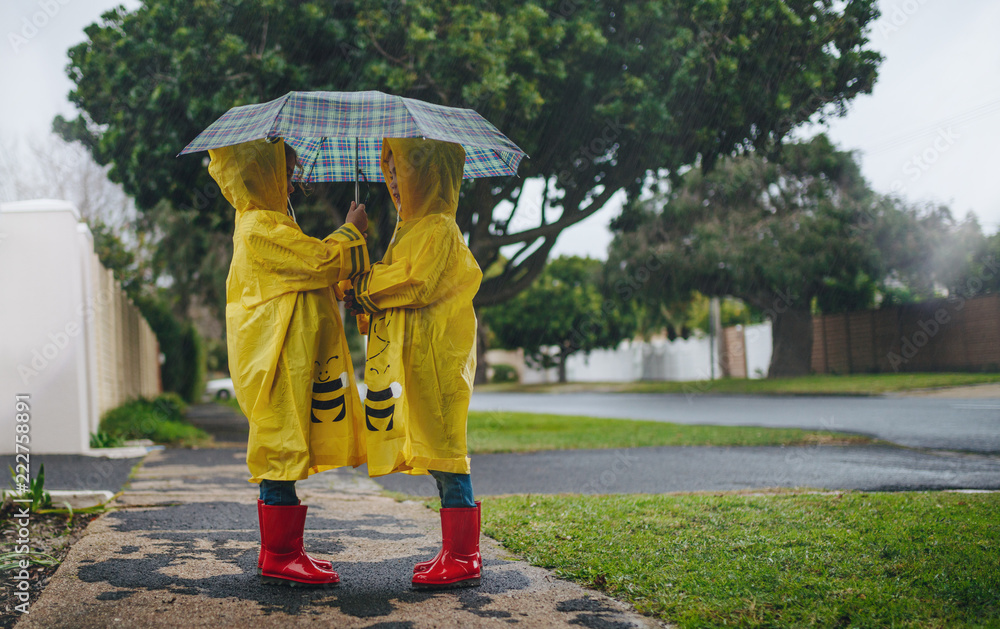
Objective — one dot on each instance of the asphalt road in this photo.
(666, 469)
(971, 425)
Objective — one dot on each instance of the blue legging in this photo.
(280, 493)
(455, 491)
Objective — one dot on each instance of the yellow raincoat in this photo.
(422, 333)
(288, 356)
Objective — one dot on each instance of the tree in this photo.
(599, 93)
(779, 235)
(562, 313)
(49, 167)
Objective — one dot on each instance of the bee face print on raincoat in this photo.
(288, 356)
(421, 354)
(329, 396)
(380, 403)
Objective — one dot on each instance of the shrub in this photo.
(160, 420)
(172, 404)
(504, 373)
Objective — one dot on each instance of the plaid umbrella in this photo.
(336, 134)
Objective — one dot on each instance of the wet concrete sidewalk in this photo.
(181, 551)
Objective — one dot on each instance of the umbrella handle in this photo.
(357, 169)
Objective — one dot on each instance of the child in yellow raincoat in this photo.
(422, 347)
(288, 355)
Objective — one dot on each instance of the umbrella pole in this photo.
(357, 190)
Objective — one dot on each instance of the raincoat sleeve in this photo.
(340, 290)
(415, 278)
(299, 262)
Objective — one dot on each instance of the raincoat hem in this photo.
(316, 468)
(458, 465)
(421, 465)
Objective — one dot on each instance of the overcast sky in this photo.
(928, 131)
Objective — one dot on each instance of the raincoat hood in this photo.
(428, 175)
(251, 175)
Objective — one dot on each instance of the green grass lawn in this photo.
(527, 432)
(779, 560)
(858, 384)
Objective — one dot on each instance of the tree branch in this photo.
(263, 38)
(380, 50)
(553, 229)
(499, 289)
(545, 199)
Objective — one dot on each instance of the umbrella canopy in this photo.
(336, 133)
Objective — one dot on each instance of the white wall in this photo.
(758, 348)
(66, 330)
(604, 365)
(679, 360)
(42, 332)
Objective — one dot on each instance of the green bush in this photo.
(160, 420)
(192, 349)
(504, 373)
(183, 370)
(172, 404)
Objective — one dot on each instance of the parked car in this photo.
(220, 389)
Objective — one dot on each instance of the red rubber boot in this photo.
(460, 563)
(423, 565)
(285, 562)
(320, 563)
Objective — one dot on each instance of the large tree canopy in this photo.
(784, 236)
(599, 93)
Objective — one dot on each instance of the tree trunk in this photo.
(791, 348)
(481, 348)
(563, 356)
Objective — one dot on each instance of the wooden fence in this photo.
(126, 350)
(954, 334)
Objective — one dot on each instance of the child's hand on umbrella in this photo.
(358, 217)
(351, 302)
